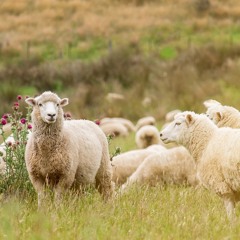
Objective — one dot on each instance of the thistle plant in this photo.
(14, 176)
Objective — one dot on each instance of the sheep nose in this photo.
(160, 134)
(51, 115)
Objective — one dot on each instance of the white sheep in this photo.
(216, 152)
(127, 123)
(222, 116)
(146, 136)
(114, 129)
(169, 117)
(173, 166)
(63, 154)
(150, 120)
(125, 164)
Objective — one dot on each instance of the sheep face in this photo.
(48, 106)
(176, 131)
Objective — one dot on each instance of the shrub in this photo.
(15, 179)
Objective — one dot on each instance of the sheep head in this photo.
(47, 106)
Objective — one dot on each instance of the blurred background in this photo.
(121, 58)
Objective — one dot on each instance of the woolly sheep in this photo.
(114, 97)
(169, 117)
(145, 121)
(146, 136)
(63, 154)
(114, 129)
(222, 116)
(125, 164)
(216, 152)
(127, 123)
(173, 166)
(7, 131)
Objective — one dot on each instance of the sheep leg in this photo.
(104, 183)
(63, 184)
(40, 188)
(230, 208)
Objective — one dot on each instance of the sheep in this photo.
(146, 136)
(222, 116)
(124, 164)
(173, 166)
(65, 154)
(169, 117)
(114, 129)
(215, 150)
(6, 129)
(145, 121)
(114, 97)
(127, 123)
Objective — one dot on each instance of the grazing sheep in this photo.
(146, 136)
(216, 152)
(63, 154)
(222, 116)
(2, 161)
(114, 97)
(145, 121)
(125, 164)
(115, 129)
(173, 166)
(127, 123)
(169, 117)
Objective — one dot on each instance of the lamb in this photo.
(123, 165)
(65, 154)
(146, 136)
(145, 121)
(222, 116)
(173, 166)
(215, 150)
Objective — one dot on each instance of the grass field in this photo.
(161, 212)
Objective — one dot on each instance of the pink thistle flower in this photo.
(5, 116)
(29, 126)
(97, 122)
(19, 97)
(16, 104)
(3, 121)
(23, 120)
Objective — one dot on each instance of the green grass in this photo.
(143, 213)
(161, 212)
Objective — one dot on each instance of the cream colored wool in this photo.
(216, 152)
(64, 154)
(173, 166)
(127, 123)
(125, 164)
(145, 121)
(114, 129)
(222, 116)
(146, 136)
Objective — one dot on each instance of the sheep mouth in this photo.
(51, 120)
(165, 140)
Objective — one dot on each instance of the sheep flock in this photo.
(188, 149)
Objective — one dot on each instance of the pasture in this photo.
(161, 212)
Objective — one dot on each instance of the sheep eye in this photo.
(57, 104)
(177, 123)
(40, 105)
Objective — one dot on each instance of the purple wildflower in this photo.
(19, 97)
(23, 120)
(3, 121)
(29, 126)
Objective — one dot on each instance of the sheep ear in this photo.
(64, 102)
(31, 101)
(209, 103)
(219, 116)
(189, 118)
